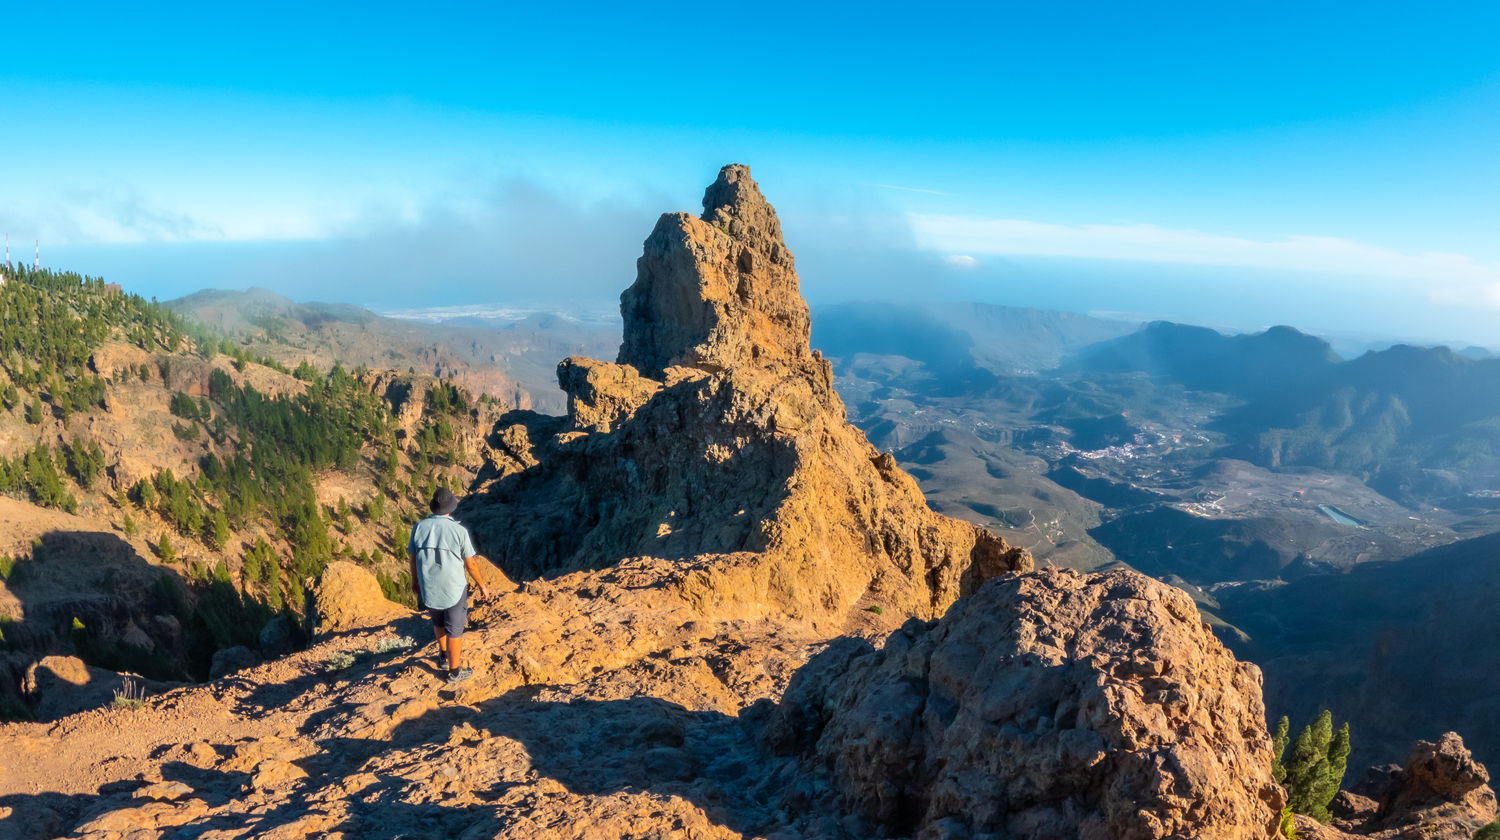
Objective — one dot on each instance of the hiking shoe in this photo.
(460, 675)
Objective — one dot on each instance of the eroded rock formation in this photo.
(718, 436)
(1053, 705)
(1441, 793)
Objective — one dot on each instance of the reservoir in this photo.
(1340, 517)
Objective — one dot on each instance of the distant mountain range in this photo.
(514, 360)
(1231, 465)
(1422, 425)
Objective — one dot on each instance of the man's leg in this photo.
(442, 636)
(456, 618)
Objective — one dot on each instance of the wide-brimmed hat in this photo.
(443, 502)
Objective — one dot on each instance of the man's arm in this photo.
(416, 582)
(473, 569)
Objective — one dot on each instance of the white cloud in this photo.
(961, 261)
(1446, 278)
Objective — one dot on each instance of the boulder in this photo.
(276, 637)
(601, 395)
(1441, 793)
(1051, 705)
(346, 596)
(228, 660)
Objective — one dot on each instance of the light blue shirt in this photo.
(441, 546)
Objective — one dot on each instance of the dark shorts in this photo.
(453, 619)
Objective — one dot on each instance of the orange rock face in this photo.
(1050, 705)
(717, 436)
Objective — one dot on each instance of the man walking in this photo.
(441, 554)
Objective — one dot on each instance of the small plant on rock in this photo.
(336, 662)
(131, 695)
(392, 643)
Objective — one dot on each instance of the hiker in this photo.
(441, 553)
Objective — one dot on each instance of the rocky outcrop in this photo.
(716, 292)
(1441, 793)
(347, 596)
(601, 395)
(717, 436)
(1053, 705)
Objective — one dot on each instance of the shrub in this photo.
(338, 662)
(1489, 832)
(1287, 827)
(392, 643)
(184, 406)
(397, 589)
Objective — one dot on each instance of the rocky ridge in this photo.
(736, 618)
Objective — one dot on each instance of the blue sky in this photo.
(1331, 166)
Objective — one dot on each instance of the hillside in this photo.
(513, 361)
(1406, 648)
(172, 493)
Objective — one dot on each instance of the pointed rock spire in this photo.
(716, 292)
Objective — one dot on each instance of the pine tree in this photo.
(1316, 768)
(1278, 748)
(375, 508)
(164, 548)
(145, 494)
(34, 410)
(221, 530)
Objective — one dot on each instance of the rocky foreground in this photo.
(738, 619)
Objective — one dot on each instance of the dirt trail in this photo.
(581, 713)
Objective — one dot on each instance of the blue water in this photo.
(1339, 516)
